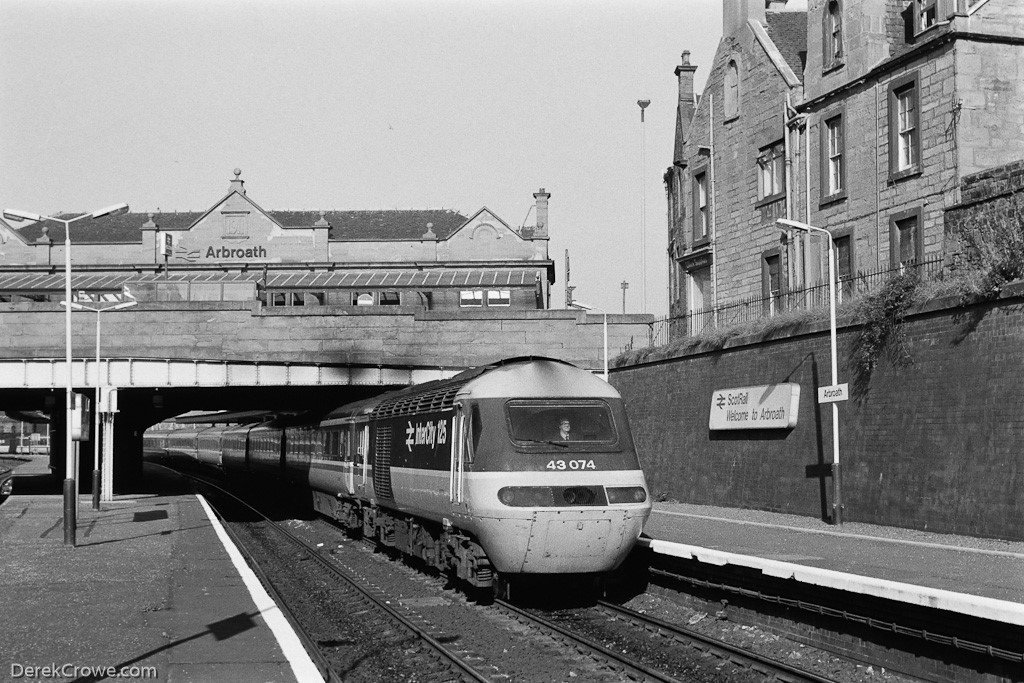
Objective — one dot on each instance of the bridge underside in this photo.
(150, 391)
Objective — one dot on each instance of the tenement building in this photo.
(861, 117)
(237, 251)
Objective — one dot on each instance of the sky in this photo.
(360, 105)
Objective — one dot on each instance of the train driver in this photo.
(563, 429)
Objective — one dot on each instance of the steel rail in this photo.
(780, 670)
(638, 671)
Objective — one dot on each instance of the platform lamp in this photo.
(837, 499)
(70, 484)
(127, 302)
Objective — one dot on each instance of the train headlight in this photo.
(526, 496)
(626, 494)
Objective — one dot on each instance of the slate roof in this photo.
(788, 30)
(390, 225)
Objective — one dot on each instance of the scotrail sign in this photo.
(772, 406)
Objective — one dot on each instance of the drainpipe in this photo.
(790, 264)
(714, 210)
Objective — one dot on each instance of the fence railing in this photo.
(758, 308)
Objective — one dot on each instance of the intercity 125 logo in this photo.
(430, 433)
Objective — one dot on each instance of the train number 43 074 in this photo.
(571, 465)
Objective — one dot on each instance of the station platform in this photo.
(153, 590)
(972, 576)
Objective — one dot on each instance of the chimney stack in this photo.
(736, 13)
(542, 213)
(684, 112)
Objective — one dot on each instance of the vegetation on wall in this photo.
(881, 315)
(991, 254)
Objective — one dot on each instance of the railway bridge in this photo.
(166, 358)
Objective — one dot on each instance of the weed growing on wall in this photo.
(992, 251)
(881, 315)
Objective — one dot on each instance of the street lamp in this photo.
(837, 501)
(70, 494)
(97, 405)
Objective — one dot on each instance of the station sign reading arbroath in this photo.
(771, 406)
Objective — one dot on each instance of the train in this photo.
(522, 468)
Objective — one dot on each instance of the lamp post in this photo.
(97, 404)
(70, 494)
(624, 286)
(837, 500)
(643, 104)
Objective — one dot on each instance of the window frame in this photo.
(917, 214)
(776, 160)
(920, 7)
(701, 216)
(832, 36)
(910, 82)
(845, 284)
(502, 300)
(825, 169)
(769, 297)
(477, 296)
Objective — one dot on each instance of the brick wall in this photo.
(935, 445)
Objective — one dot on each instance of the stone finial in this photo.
(429, 234)
(237, 185)
(150, 224)
(322, 222)
(45, 237)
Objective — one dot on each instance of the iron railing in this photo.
(758, 308)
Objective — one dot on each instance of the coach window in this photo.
(390, 299)
(362, 298)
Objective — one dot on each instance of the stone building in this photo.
(858, 116)
(235, 250)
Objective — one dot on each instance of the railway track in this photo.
(422, 630)
(657, 660)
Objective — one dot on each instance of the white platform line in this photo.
(962, 603)
(298, 658)
(846, 534)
